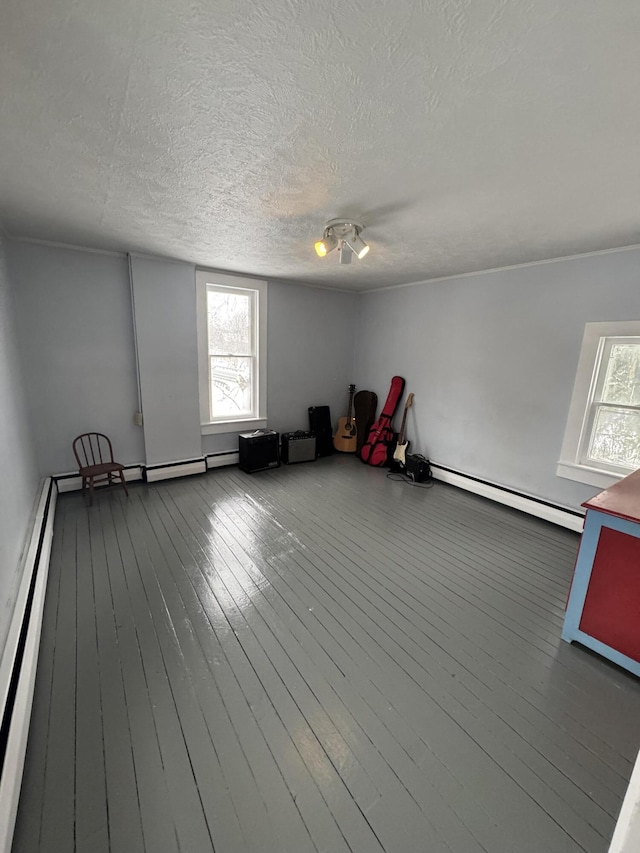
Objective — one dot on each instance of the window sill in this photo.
(590, 476)
(221, 427)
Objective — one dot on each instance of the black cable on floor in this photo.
(402, 478)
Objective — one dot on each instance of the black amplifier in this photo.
(417, 468)
(298, 446)
(258, 450)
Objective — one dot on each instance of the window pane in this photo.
(230, 386)
(622, 381)
(230, 323)
(616, 437)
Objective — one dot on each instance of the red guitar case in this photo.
(376, 448)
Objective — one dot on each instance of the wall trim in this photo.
(151, 257)
(542, 261)
(169, 470)
(354, 291)
(54, 244)
(222, 459)
(563, 516)
(71, 482)
(20, 659)
(626, 836)
(229, 427)
(588, 476)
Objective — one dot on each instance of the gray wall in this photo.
(310, 352)
(492, 358)
(18, 465)
(165, 319)
(76, 324)
(313, 362)
(74, 311)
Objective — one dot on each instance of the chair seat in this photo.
(101, 468)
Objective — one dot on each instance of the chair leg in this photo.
(85, 493)
(90, 491)
(123, 483)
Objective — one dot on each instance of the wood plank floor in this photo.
(317, 658)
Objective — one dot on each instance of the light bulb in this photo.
(357, 245)
(327, 244)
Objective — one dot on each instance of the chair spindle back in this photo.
(92, 448)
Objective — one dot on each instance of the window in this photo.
(232, 352)
(602, 440)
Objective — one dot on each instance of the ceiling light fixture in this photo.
(357, 245)
(328, 243)
(343, 234)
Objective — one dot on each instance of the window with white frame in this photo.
(602, 439)
(232, 352)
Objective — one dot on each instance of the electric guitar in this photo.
(345, 438)
(400, 453)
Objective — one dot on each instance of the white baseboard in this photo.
(176, 469)
(626, 836)
(530, 505)
(72, 483)
(219, 460)
(19, 670)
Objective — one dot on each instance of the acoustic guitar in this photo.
(345, 438)
(400, 453)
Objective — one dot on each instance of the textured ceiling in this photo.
(465, 134)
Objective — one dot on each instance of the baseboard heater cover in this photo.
(72, 482)
(153, 473)
(175, 469)
(19, 662)
(626, 836)
(562, 516)
(220, 460)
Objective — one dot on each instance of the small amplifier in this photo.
(298, 446)
(258, 450)
(417, 468)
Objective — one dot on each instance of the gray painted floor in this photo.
(317, 658)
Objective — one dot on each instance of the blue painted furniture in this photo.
(603, 610)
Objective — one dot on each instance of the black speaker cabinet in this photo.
(298, 446)
(320, 424)
(259, 450)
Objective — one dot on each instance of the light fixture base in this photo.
(341, 227)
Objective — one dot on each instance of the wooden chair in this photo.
(94, 454)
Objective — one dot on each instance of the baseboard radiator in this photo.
(20, 659)
(626, 837)
(154, 473)
(562, 516)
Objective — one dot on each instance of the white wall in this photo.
(18, 465)
(165, 319)
(76, 325)
(76, 330)
(310, 352)
(313, 363)
(491, 359)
